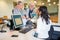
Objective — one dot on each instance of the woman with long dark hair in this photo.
(43, 23)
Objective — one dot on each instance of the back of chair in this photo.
(1, 21)
(5, 17)
(56, 31)
(17, 20)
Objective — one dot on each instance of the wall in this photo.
(59, 13)
(6, 7)
(52, 9)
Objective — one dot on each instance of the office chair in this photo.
(54, 32)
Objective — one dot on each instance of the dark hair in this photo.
(19, 2)
(44, 13)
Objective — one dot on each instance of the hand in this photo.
(29, 18)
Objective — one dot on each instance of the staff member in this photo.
(43, 23)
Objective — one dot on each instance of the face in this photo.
(38, 12)
(31, 6)
(20, 6)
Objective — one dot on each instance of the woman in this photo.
(43, 23)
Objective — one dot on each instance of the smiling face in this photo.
(20, 5)
(38, 12)
(31, 6)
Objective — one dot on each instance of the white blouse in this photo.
(42, 28)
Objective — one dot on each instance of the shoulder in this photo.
(39, 19)
(15, 9)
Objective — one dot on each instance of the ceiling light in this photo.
(43, 3)
(48, 0)
(49, 4)
(35, 2)
(54, 2)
